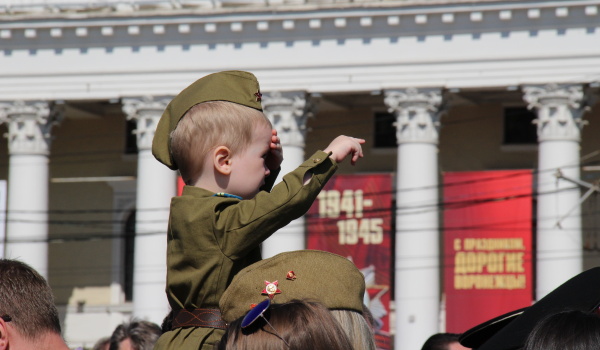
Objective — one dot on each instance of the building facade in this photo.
(433, 86)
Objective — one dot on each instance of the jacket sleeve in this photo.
(248, 223)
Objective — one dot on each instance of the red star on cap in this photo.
(258, 96)
(271, 289)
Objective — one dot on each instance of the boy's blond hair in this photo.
(208, 125)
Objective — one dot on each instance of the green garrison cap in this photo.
(316, 275)
(233, 86)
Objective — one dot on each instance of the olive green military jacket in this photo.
(211, 238)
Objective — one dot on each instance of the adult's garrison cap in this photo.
(510, 331)
(233, 86)
(315, 275)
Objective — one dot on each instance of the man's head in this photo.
(136, 335)
(443, 341)
(208, 126)
(26, 304)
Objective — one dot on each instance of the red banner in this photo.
(352, 217)
(487, 245)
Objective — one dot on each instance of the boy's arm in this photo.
(249, 222)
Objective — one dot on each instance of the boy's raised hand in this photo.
(342, 146)
(275, 156)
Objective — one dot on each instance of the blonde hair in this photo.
(300, 324)
(208, 125)
(357, 328)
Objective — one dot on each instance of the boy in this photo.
(228, 155)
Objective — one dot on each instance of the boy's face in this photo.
(248, 167)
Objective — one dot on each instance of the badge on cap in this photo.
(291, 276)
(271, 289)
(258, 96)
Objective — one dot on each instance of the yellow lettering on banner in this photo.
(514, 262)
(500, 281)
(347, 203)
(489, 263)
(457, 244)
(332, 203)
(492, 262)
(351, 231)
(494, 244)
(359, 203)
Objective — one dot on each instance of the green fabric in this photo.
(189, 339)
(233, 86)
(210, 238)
(328, 278)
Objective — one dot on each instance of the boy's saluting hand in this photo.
(275, 156)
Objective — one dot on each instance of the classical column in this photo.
(417, 269)
(156, 185)
(559, 242)
(288, 112)
(29, 126)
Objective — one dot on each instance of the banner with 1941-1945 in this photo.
(352, 217)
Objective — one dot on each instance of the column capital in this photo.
(417, 114)
(146, 111)
(560, 109)
(29, 124)
(288, 112)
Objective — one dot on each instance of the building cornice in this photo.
(366, 48)
(293, 23)
(64, 10)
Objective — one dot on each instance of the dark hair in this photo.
(26, 297)
(440, 341)
(572, 330)
(142, 335)
(302, 324)
(102, 344)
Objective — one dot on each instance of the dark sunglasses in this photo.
(258, 312)
(6, 318)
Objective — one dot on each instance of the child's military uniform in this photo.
(211, 238)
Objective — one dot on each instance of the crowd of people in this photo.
(293, 314)
(222, 294)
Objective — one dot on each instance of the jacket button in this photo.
(316, 160)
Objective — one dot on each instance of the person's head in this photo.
(568, 330)
(210, 134)
(102, 344)
(443, 341)
(27, 309)
(135, 335)
(511, 330)
(237, 87)
(327, 278)
(296, 325)
(358, 329)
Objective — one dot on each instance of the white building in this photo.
(77, 76)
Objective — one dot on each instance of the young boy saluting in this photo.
(228, 154)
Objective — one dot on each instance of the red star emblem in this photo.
(258, 96)
(291, 276)
(271, 289)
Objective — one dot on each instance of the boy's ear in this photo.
(3, 335)
(222, 160)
